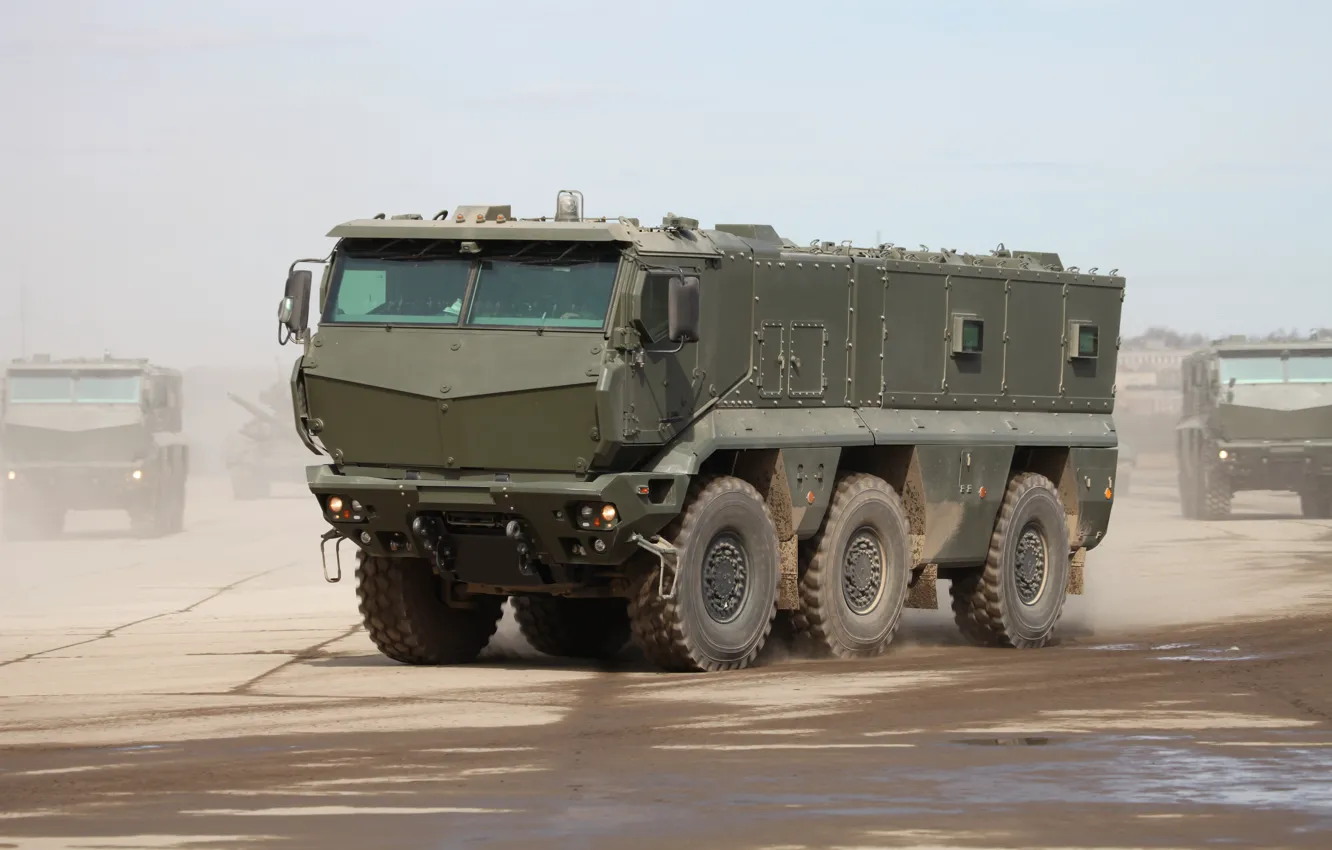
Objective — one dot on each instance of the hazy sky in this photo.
(162, 162)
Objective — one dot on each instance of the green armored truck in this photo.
(672, 434)
(95, 434)
(1256, 416)
(265, 450)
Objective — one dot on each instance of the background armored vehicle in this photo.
(92, 435)
(674, 433)
(1256, 416)
(265, 451)
(1126, 468)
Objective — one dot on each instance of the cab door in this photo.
(664, 379)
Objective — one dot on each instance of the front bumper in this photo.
(1252, 465)
(85, 486)
(474, 513)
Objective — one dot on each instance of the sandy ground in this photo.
(211, 690)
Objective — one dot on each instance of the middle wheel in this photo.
(853, 592)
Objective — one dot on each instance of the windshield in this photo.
(89, 389)
(1252, 370)
(520, 294)
(509, 285)
(1311, 369)
(399, 291)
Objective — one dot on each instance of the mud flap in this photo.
(1076, 562)
(925, 592)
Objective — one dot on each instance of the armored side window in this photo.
(1085, 341)
(654, 308)
(968, 334)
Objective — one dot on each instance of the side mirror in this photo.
(683, 310)
(294, 311)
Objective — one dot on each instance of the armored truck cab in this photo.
(95, 434)
(675, 433)
(1256, 416)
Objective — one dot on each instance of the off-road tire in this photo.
(678, 633)
(573, 628)
(987, 604)
(1214, 491)
(1187, 463)
(1316, 502)
(33, 524)
(408, 620)
(865, 510)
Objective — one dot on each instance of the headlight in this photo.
(335, 504)
(597, 516)
(137, 475)
(1223, 454)
(12, 475)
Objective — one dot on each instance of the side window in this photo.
(655, 308)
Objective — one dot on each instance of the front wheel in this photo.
(1018, 596)
(724, 582)
(573, 628)
(402, 603)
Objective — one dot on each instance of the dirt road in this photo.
(210, 690)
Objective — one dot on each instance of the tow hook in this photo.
(667, 554)
(514, 531)
(337, 555)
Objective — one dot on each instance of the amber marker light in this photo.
(982, 492)
(1108, 492)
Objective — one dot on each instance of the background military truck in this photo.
(674, 433)
(265, 450)
(1256, 416)
(100, 434)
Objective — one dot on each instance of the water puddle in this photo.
(1233, 653)
(1006, 742)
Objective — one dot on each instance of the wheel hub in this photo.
(725, 577)
(862, 571)
(1032, 559)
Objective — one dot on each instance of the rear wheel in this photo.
(1018, 596)
(724, 582)
(573, 628)
(402, 603)
(853, 592)
(36, 522)
(1316, 502)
